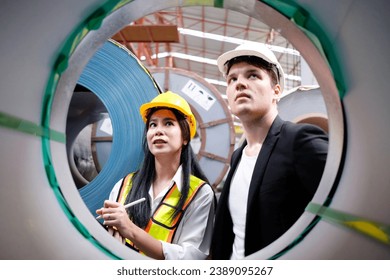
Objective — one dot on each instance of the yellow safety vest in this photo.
(160, 225)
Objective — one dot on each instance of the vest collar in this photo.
(177, 178)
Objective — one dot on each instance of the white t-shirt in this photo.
(193, 236)
(238, 200)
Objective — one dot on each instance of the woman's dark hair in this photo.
(143, 178)
(270, 68)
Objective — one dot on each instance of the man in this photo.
(276, 171)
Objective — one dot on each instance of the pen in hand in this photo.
(128, 205)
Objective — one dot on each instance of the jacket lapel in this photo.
(236, 157)
(265, 153)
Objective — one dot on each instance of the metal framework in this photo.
(192, 38)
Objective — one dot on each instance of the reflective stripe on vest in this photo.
(160, 225)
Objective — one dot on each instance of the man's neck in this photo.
(256, 131)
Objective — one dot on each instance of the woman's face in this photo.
(164, 135)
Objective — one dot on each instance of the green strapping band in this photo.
(28, 127)
(378, 231)
(218, 3)
(92, 22)
(315, 33)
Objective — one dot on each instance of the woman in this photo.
(176, 220)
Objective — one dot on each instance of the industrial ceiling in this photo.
(192, 38)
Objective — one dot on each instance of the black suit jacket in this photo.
(286, 175)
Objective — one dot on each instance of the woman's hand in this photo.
(115, 217)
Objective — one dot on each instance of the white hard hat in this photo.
(251, 49)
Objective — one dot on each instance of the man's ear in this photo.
(277, 92)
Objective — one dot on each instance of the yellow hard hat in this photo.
(171, 100)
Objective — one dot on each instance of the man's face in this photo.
(250, 92)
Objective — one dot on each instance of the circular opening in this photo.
(130, 12)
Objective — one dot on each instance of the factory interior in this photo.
(74, 73)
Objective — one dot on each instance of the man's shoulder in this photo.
(292, 127)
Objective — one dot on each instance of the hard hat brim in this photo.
(224, 58)
(191, 120)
